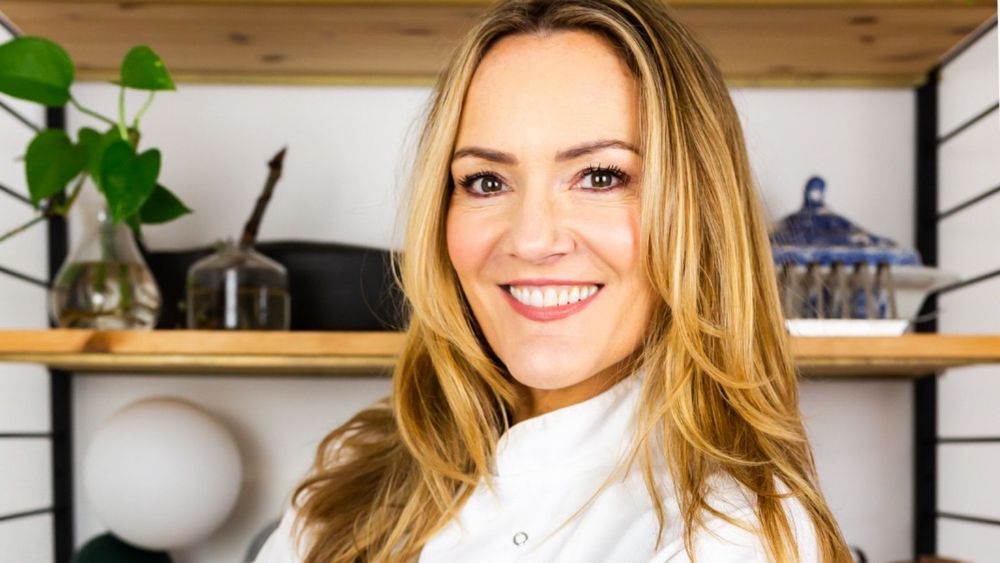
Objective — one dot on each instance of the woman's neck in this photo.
(536, 402)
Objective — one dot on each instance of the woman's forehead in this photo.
(553, 90)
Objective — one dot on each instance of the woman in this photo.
(595, 367)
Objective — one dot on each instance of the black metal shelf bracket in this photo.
(60, 394)
(925, 389)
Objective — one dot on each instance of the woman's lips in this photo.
(553, 313)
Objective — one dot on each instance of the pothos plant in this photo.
(40, 71)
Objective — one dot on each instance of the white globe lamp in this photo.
(162, 473)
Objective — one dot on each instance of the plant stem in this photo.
(124, 288)
(142, 110)
(253, 223)
(65, 207)
(91, 112)
(122, 130)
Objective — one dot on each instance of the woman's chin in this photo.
(549, 376)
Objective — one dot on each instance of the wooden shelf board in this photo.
(906, 356)
(887, 43)
(217, 352)
(374, 353)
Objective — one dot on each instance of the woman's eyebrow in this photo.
(485, 154)
(594, 146)
(568, 154)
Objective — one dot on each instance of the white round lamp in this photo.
(162, 473)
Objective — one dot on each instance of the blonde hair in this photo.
(720, 393)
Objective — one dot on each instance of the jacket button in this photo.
(520, 538)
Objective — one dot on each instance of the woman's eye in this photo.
(485, 184)
(603, 179)
(482, 184)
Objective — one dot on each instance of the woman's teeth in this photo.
(551, 296)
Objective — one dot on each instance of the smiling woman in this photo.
(543, 223)
(596, 368)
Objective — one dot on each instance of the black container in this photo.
(332, 286)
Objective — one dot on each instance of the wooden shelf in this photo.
(910, 355)
(758, 42)
(196, 351)
(374, 353)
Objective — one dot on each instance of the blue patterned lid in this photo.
(816, 234)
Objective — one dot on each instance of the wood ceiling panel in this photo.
(882, 42)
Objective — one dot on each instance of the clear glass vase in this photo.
(105, 284)
(237, 288)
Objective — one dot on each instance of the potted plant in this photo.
(105, 283)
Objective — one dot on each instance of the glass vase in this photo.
(105, 284)
(237, 288)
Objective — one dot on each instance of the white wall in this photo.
(968, 168)
(25, 462)
(345, 163)
(347, 160)
(860, 141)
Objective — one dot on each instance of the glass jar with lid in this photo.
(237, 288)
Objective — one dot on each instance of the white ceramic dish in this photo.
(913, 283)
(846, 327)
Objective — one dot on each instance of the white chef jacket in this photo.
(548, 504)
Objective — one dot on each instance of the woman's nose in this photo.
(537, 232)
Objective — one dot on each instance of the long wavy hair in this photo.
(720, 393)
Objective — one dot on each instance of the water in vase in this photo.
(105, 295)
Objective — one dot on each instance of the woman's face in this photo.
(543, 222)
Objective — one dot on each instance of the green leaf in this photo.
(94, 144)
(142, 69)
(35, 69)
(52, 162)
(162, 207)
(127, 179)
(89, 141)
(86, 137)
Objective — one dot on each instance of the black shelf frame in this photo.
(925, 388)
(60, 393)
(926, 438)
(60, 384)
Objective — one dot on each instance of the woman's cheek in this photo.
(468, 246)
(612, 232)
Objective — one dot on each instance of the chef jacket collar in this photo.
(584, 436)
